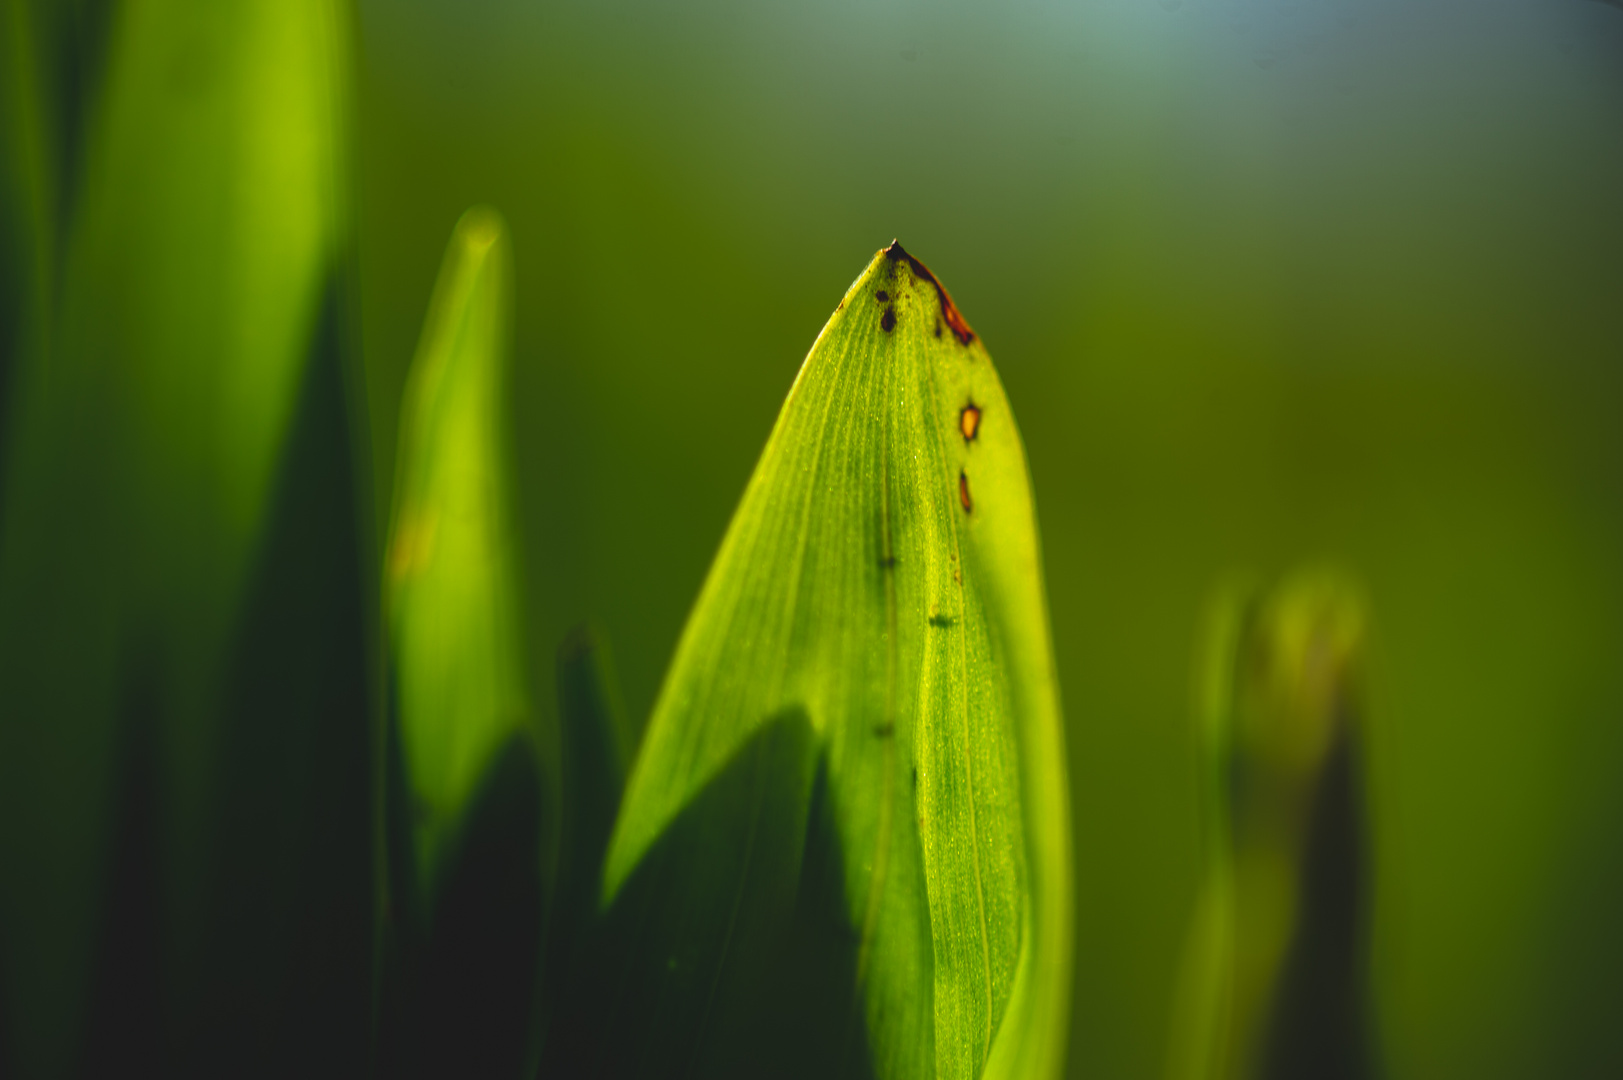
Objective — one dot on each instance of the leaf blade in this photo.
(882, 572)
(455, 654)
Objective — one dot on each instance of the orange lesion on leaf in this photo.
(969, 421)
(413, 543)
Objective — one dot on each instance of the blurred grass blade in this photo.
(882, 575)
(27, 206)
(180, 595)
(595, 745)
(596, 748)
(1275, 979)
(455, 656)
(466, 794)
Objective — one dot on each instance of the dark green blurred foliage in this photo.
(596, 751)
(185, 604)
(55, 54)
(458, 983)
(1276, 979)
(670, 973)
(472, 812)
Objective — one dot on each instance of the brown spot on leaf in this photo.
(969, 421)
(896, 253)
(887, 321)
(963, 493)
(882, 296)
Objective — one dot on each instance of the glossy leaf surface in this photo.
(882, 577)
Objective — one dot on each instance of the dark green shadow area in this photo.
(694, 966)
(282, 980)
(126, 1017)
(7, 1069)
(286, 989)
(805, 1020)
(460, 976)
(596, 747)
(1321, 1023)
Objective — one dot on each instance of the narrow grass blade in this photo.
(469, 819)
(455, 653)
(596, 746)
(1275, 980)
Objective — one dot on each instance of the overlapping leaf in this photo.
(180, 597)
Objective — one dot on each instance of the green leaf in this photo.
(470, 824)
(882, 576)
(666, 975)
(596, 747)
(179, 551)
(451, 592)
(1276, 966)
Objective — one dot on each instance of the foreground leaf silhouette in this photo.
(880, 587)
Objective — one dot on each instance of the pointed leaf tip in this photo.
(949, 311)
(455, 645)
(861, 582)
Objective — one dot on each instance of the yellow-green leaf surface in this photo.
(1275, 962)
(882, 577)
(458, 687)
(193, 313)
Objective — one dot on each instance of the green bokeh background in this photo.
(1267, 282)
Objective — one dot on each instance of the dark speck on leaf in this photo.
(887, 321)
(882, 295)
(963, 493)
(884, 731)
(960, 329)
(915, 776)
(938, 328)
(941, 621)
(887, 562)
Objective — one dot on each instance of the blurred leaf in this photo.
(695, 928)
(466, 794)
(27, 207)
(596, 748)
(455, 654)
(882, 577)
(179, 542)
(1275, 979)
